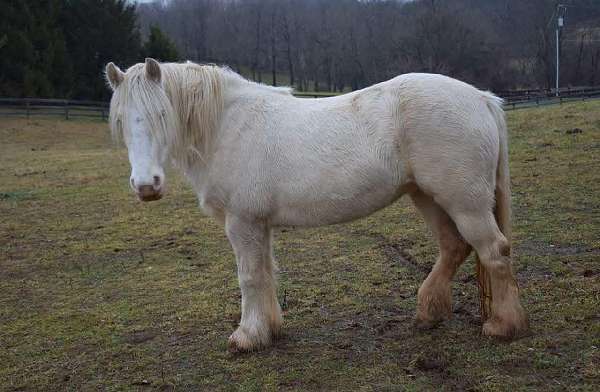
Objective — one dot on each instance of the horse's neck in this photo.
(237, 93)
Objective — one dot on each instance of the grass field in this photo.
(101, 292)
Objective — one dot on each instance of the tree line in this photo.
(58, 48)
(336, 45)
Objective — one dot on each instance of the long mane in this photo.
(185, 113)
(196, 95)
(182, 115)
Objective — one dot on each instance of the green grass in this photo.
(101, 292)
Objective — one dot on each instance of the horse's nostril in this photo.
(156, 181)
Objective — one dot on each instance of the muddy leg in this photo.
(507, 319)
(434, 300)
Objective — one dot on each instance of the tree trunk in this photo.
(273, 50)
(255, 63)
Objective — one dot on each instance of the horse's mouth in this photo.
(151, 197)
(149, 192)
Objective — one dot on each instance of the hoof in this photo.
(432, 314)
(434, 305)
(242, 341)
(425, 325)
(277, 333)
(507, 329)
(235, 347)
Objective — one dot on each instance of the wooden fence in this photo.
(518, 99)
(564, 92)
(68, 109)
(53, 107)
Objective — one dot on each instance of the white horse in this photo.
(258, 158)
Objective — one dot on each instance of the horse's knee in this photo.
(502, 246)
(250, 284)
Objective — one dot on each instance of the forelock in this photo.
(150, 99)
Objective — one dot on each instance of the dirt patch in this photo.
(430, 362)
(139, 337)
(397, 252)
(538, 248)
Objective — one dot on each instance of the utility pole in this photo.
(560, 22)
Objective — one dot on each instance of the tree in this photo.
(33, 56)
(333, 44)
(58, 48)
(159, 46)
(96, 32)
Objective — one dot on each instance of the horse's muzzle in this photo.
(148, 193)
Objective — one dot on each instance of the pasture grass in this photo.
(101, 292)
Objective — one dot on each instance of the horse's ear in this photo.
(114, 75)
(153, 70)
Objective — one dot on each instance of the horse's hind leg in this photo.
(478, 226)
(434, 299)
(261, 314)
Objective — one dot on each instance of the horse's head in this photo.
(140, 111)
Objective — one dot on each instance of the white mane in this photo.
(185, 113)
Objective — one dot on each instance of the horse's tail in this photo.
(502, 210)
(503, 195)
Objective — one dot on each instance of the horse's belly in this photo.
(335, 201)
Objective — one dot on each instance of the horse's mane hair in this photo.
(183, 114)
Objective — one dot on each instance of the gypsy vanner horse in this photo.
(258, 157)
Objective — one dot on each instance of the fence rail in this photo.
(550, 92)
(53, 107)
(68, 109)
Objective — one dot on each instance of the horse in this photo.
(258, 158)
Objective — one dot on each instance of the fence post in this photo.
(27, 109)
(66, 110)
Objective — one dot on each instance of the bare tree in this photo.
(340, 44)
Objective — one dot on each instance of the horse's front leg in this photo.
(261, 315)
